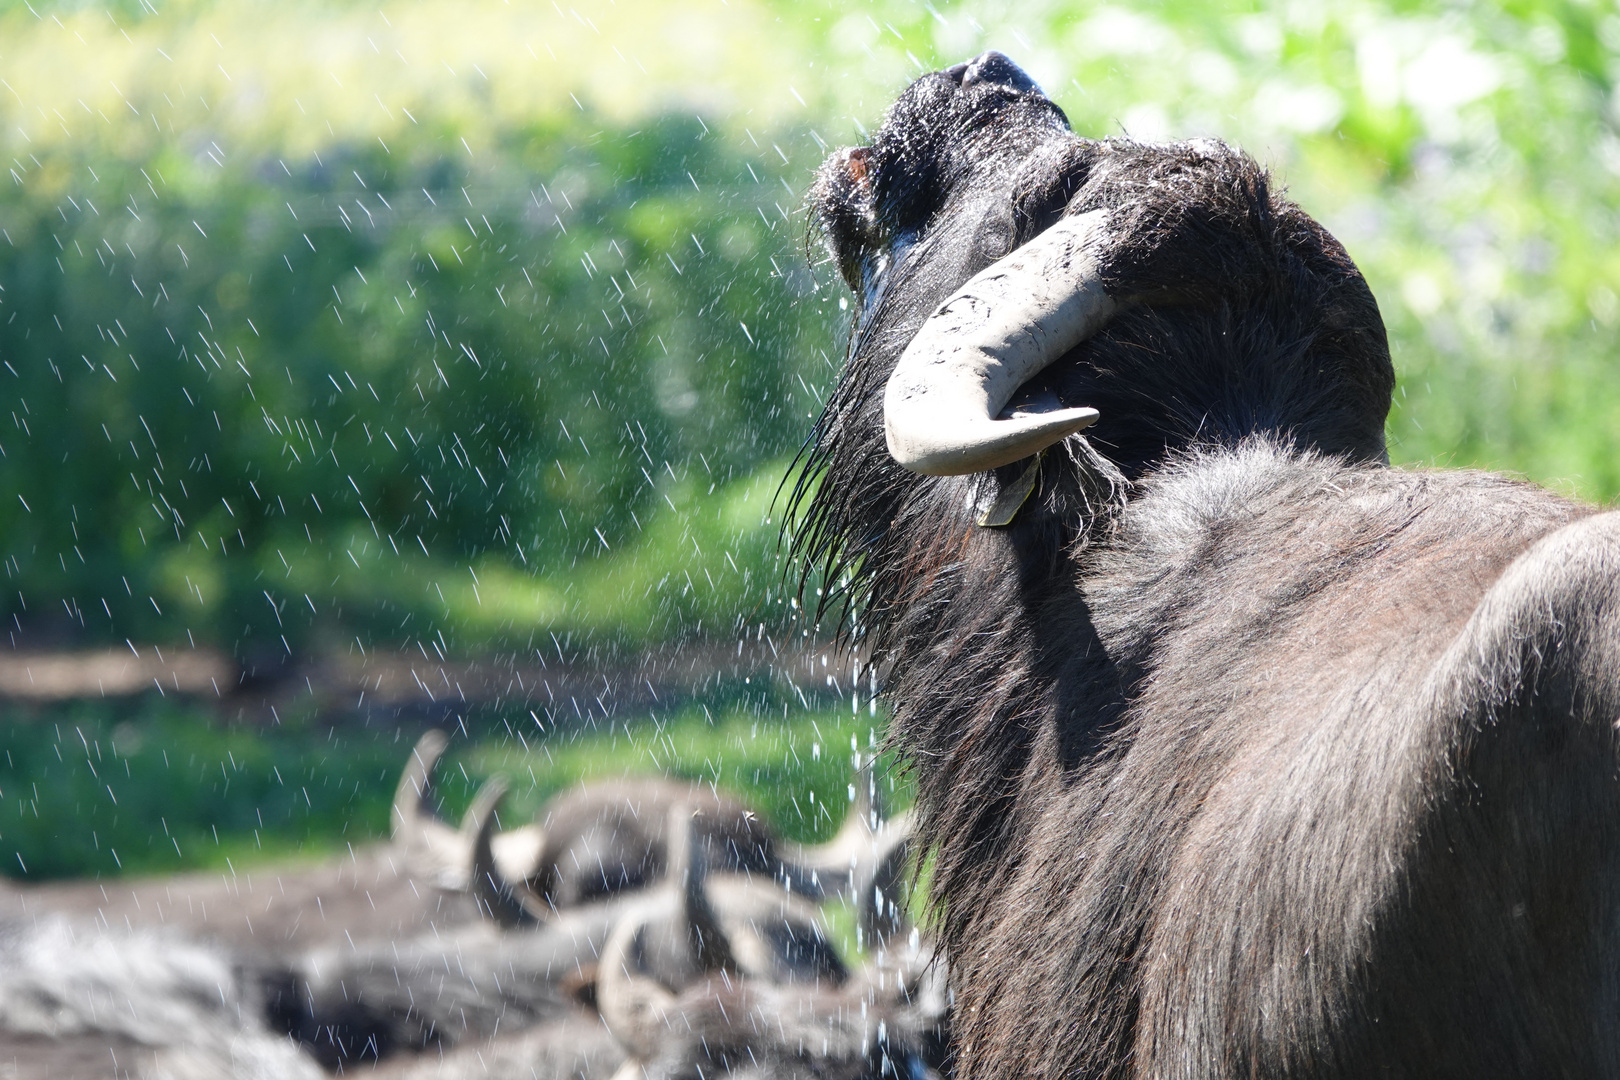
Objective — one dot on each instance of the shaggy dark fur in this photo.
(1240, 754)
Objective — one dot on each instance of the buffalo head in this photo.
(1016, 284)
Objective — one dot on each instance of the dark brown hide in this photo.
(1241, 754)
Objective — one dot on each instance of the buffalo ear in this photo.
(857, 163)
(842, 206)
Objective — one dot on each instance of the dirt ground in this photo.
(384, 687)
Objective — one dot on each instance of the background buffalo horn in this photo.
(686, 870)
(492, 890)
(1009, 321)
(864, 839)
(433, 848)
(516, 851)
(879, 884)
(673, 929)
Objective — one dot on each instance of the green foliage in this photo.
(476, 322)
(247, 397)
(1466, 153)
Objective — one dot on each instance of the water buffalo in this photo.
(607, 837)
(137, 1003)
(683, 990)
(1239, 752)
(527, 966)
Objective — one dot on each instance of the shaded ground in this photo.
(282, 912)
(379, 687)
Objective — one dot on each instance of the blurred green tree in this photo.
(460, 322)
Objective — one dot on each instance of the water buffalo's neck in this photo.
(1217, 380)
(994, 668)
(1012, 652)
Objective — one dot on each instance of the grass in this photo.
(152, 785)
(793, 767)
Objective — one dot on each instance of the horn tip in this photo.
(978, 448)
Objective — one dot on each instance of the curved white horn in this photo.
(865, 838)
(686, 868)
(414, 783)
(636, 1009)
(516, 851)
(1012, 319)
(879, 882)
(433, 849)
